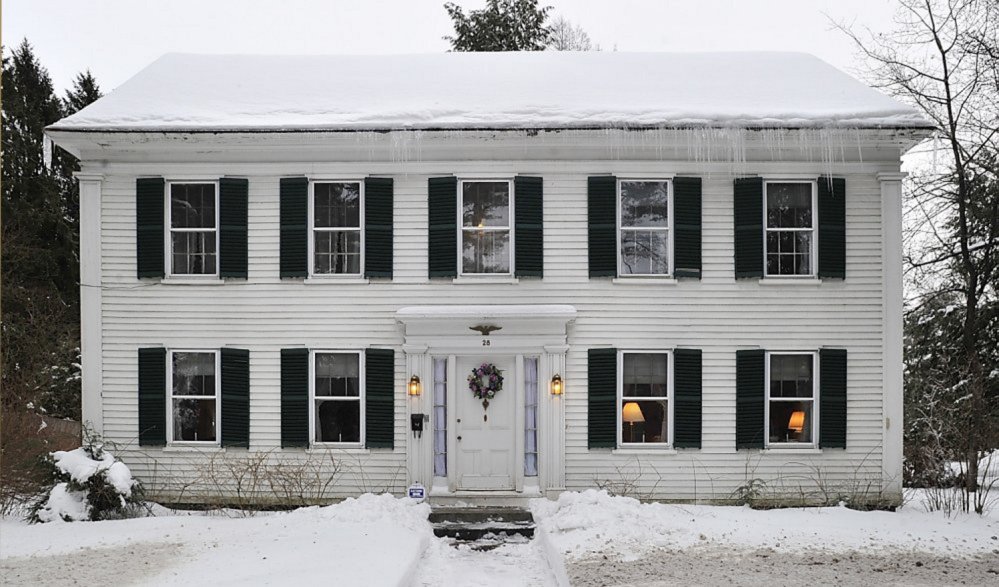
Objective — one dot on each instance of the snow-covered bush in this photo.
(89, 484)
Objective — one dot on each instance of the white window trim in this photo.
(218, 399)
(813, 253)
(669, 229)
(362, 397)
(814, 444)
(311, 246)
(168, 236)
(461, 225)
(669, 400)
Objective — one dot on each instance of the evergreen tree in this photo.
(503, 25)
(85, 92)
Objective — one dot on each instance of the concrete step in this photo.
(475, 523)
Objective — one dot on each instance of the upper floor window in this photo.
(337, 396)
(791, 396)
(194, 396)
(645, 218)
(790, 227)
(335, 219)
(644, 398)
(485, 233)
(193, 222)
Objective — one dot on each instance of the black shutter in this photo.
(378, 227)
(687, 224)
(152, 397)
(602, 395)
(294, 397)
(529, 246)
(687, 406)
(233, 195)
(443, 222)
(150, 196)
(379, 407)
(748, 204)
(294, 226)
(749, 399)
(236, 397)
(601, 214)
(832, 227)
(832, 398)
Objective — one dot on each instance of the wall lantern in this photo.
(556, 384)
(414, 385)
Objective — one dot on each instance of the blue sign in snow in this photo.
(416, 491)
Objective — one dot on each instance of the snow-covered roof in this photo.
(540, 90)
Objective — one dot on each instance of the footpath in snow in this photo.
(515, 562)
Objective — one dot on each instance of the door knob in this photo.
(459, 439)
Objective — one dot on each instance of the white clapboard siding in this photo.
(716, 314)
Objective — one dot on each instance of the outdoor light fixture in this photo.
(414, 385)
(556, 384)
(797, 422)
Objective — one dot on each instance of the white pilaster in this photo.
(891, 226)
(419, 449)
(552, 416)
(90, 300)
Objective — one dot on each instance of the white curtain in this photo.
(440, 417)
(531, 417)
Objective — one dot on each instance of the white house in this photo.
(686, 269)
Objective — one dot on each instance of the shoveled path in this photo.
(515, 562)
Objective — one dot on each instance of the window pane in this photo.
(485, 203)
(645, 375)
(485, 251)
(644, 252)
(337, 205)
(791, 421)
(645, 204)
(194, 373)
(194, 419)
(193, 253)
(337, 252)
(791, 376)
(789, 252)
(337, 374)
(644, 421)
(789, 205)
(338, 421)
(192, 205)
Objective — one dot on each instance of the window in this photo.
(336, 397)
(194, 396)
(791, 393)
(485, 241)
(335, 218)
(645, 215)
(790, 228)
(440, 417)
(530, 417)
(644, 410)
(193, 222)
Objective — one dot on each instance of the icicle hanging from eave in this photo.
(47, 152)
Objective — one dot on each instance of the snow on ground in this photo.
(514, 563)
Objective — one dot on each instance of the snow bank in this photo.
(593, 522)
(547, 89)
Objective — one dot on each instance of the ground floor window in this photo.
(530, 417)
(194, 396)
(337, 397)
(643, 415)
(791, 394)
(440, 417)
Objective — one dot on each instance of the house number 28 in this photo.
(486, 342)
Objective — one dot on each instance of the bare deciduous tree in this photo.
(566, 36)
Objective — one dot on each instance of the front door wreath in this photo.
(485, 382)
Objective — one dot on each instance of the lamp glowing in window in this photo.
(414, 385)
(797, 422)
(632, 413)
(556, 384)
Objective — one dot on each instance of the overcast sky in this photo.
(117, 38)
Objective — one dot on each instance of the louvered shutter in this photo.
(602, 398)
(443, 224)
(832, 398)
(235, 397)
(233, 195)
(748, 205)
(294, 397)
(832, 227)
(749, 398)
(687, 225)
(687, 406)
(529, 247)
(152, 396)
(379, 407)
(294, 227)
(378, 227)
(150, 194)
(601, 214)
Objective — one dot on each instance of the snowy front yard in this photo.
(600, 540)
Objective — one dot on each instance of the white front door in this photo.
(486, 441)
